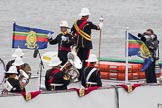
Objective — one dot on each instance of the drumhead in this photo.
(2, 71)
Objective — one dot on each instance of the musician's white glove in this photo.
(49, 36)
(63, 38)
(101, 22)
(100, 25)
(73, 48)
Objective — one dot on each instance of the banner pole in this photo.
(126, 56)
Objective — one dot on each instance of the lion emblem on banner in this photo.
(31, 40)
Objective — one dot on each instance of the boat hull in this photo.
(144, 96)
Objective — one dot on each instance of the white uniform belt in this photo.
(93, 83)
(53, 84)
(90, 73)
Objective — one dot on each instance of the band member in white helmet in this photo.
(24, 72)
(64, 40)
(82, 35)
(91, 75)
(12, 84)
(18, 53)
(24, 66)
(55, 79)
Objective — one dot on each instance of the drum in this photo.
(2, 71)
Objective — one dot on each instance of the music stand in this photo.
(41, 66)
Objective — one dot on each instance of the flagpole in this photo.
(126, 56)
(13, 25)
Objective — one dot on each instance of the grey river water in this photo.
(138, 15)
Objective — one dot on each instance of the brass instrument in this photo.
(25, 73)
(72, 65)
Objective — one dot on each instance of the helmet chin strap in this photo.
(64, 33)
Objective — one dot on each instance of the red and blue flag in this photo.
(138, 47)
(29, 38)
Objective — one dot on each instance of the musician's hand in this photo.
(74, 48)
(49, 36)
(63, 38)
(24, 82)
(22, 85)
(100, 25)
(101, 22)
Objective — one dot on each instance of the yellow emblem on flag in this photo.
(144, 51)
(31, 40)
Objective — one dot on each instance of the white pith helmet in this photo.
(12, 70)
(18, 53)
(92, 58)
(55, 61)
(84, 12)
(18, 62)
(64, 24)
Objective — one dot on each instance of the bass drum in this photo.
(2, 71)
